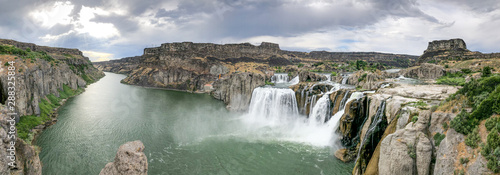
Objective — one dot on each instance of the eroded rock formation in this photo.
(130, 160)
(236, 90)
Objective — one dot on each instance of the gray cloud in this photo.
(214, 21)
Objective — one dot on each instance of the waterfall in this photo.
(328, 77)
(313, 102)
(273, 104)
(273, 114)
(343, 102)
(280, 78)
(344, 79)
(294, 81)
(375, 121)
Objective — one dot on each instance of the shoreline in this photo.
(37, 130)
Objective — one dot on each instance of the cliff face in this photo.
(37, 77)
(236, 90)
(40, 71)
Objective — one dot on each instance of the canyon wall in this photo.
(42, 71)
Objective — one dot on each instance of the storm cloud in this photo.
(117, 29)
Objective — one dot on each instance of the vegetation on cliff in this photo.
(47, 106)
(481, 101)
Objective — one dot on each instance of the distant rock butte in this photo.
(453, 49)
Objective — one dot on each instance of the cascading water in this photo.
(280, 78)
(344, 79)
(375, 121)
(294, 81)
(273, 113)
(273, 104)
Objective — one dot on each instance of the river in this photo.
(183, 133)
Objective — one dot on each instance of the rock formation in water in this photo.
(40, 71)
(130, 160)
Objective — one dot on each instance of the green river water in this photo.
(183, 133)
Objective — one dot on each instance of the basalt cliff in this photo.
(44, 78)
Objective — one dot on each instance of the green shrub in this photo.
(269, 83)
(491, 123)
(334, 74)
(438, 137)
(486, 72)
(318, 64)
(434, 108)
(473, 138)
(414, 119)
(25, 124)
(466, 71)
(446, 66)
(445, 126)
(493, 140)
(53, 99)
(362, 77)
(453, 81)
(412, 151)
(461, 124)
(464, 160)
(300, 65)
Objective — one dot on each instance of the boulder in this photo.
(130, 160)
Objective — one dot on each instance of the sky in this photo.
(114, 29)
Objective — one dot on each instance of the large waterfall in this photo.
(273, 104)
(273, 112)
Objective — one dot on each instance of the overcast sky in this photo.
(121, 28)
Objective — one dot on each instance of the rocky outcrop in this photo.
(349, 123)
(130, 160)
(447, 153)
(425, 92)
(424, 71)
(407, 151)
(306, 76)
(307, 92)
(236, 90)
(366, 80)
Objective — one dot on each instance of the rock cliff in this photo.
(236, 90)
(130, 160)
(39, 71)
